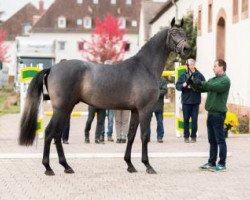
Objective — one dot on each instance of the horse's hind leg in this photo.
(54, 130)
(134, 121)
(145, 129)
(46, 151)
(62, 120)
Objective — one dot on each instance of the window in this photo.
(61, 45)
(199, 21)
(61, 22)
(26, 28)
(210, 16)
(122, 22)
(79, 22)
(128, 2)
(87, 22)
(235, 11)
(79, 1)
(80, 45)
(113, 2)
(127, 46)
(134, 23)
(244, 9)
(95, 1)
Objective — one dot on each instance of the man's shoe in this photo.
(218, 168)
(123, 140)
(159, 140)
(110, 139)
(119, 141)
(97, 141)
(101, 141)
(101, 138)
(87, 140)
(186, 140)
(206, 166)
(193, 140)
(65, 142)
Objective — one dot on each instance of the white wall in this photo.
(184, 7)
(237, 53)
(142, 29)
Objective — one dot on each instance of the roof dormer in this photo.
(128, 2)
(87, 22)
(122, 22)
(61, 22)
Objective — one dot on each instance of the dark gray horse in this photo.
(130, 85)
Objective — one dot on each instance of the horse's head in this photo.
(177, 39)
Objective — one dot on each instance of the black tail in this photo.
(29, 117)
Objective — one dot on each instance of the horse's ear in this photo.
(182, 22)
(173, 22)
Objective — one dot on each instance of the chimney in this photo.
(41, 7)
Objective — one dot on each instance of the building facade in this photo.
(223, 28)
(17, 25)
(68, 22)
(223, 32)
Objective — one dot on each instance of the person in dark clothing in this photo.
(100, 124)
(65, 134)
(158, 109)
(217, 89)
(190, 99)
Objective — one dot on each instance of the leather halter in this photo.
(176, 47)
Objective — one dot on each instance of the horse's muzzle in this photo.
(186, 50)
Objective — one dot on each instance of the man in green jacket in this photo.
(217, 89)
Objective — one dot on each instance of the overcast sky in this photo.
(11, 6)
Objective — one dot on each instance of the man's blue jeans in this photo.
(190, 111)
(110, 115)
(216, 138)
(160, 127)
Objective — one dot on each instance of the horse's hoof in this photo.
(49, 173)
(151, 171)
(131, 170)
(69, 171)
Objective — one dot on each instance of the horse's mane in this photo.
(156, 40)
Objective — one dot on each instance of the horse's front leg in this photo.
(134, 121)
(144, 119)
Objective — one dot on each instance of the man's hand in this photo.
(197, 82)
(189, 81)
(184, 84)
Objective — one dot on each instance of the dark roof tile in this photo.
(72, 11)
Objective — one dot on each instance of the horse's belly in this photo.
(107, 99)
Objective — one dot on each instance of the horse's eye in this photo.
(174, 33)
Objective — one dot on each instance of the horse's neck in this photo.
(154, 54)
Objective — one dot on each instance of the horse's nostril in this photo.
(186, 50)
